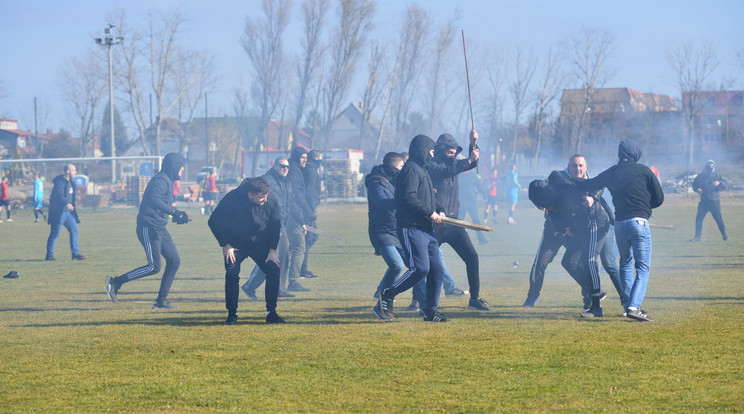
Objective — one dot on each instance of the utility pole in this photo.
(108, 41)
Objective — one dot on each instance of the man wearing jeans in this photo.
(635, 192)
(62, 212)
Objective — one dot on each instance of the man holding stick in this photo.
(444, 169)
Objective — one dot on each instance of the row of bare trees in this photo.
(414, 80)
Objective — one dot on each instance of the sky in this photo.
(38, 35)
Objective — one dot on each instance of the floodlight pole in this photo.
(109, 41)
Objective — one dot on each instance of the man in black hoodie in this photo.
(296, 230)
(416, 212)
(246, 223)
(62, 212)
(635, 192)
(444, 169)
(311, 172)
(156, 206)
(708, 184)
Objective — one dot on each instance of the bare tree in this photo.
(83, 88)
(314, 14)
(442, 48)
(411, 53)
(692, 65)
(586, 53)
(355, 23)
(377, 83)
(552, 84)
(262, 41)
(194, 76)
(525, 64)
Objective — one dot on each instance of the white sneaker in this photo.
(9, 220)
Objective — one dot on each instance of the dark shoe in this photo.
(597, 312)
(297, 287)
(376, 295)
(478, 304)
(695, 239)
(11, 275)
(378, 312)
(434, 316)
(309, 275)
(164, 304)
(725, 237)
(284, 295)
(413, 306)
(232, 319)
(456, 292)
(273, 317)
(112, 288)
(528, 303)
(79, 257)
(386, 303)
(638, 314)
(249, 292)
(50, 258)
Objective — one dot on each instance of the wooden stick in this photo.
(466, 224)
(470, 99)
(324, 234)
(663, 226)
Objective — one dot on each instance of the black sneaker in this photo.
(638, 314)
(297, 287)
(79, 257)
(112, 288)
(232, 319)
(273, 317)
(248, 291)
(164, 304)
(456, 292)
(413, 306)
(478, 304)
(309, 275)
(434, 316)
(528, 303)
(378, 312)
(50, 258)
(595, 312)
(386, 303)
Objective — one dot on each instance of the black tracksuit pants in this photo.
(550, 243)
(714, 208)
(580, 259)
(458, 238)
(156, 242)
(232, 279)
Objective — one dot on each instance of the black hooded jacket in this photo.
(414, 193)
(569, 209)
(297, 181)
(634, 188)
(380, 183)
(444, 171)
(705, 180)
(281, 189)
(245, 225)
(157, 201)
(312, 183)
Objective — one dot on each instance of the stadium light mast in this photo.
(109, 40)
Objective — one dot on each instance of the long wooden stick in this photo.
(466, 224)
(324, 234)
(470, 99)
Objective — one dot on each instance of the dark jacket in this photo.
(297, 182)
(312, 183)
(157, 201)
(634, 188)
(570, 211)
(380, 183)
(282, 191)
(705, 180)
(444, 171)
(63, 193)
(245, 225)
(414, 194)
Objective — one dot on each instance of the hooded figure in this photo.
(628, 152)
(414, 193)
(444, 171)
(156, 206)
(709, 183)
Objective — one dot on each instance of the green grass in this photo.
(65, 347)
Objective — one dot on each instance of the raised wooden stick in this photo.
(470, 99)
(466, 224)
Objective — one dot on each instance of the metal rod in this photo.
(470, 99)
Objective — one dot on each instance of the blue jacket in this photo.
(380, 183)
(64, 192)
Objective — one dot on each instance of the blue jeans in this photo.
(393, 259)
(633, 238)
(67, 220)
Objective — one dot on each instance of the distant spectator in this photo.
(709, 184)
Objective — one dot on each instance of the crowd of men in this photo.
(410, 196)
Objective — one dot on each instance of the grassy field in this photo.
(64, 347)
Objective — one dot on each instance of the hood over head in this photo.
(445, 142)
(542, 194)
(419, 149)
(710, 166)
(297, 152)
(628, 152)
(172, 163)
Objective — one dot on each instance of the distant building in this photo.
(718, 122)
(348, 131)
